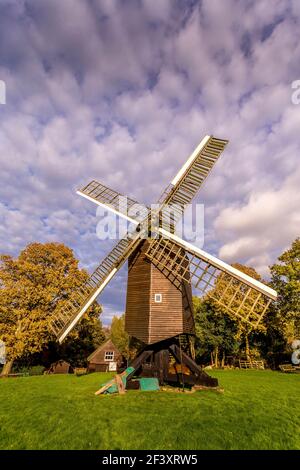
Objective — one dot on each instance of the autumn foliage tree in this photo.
(32, 286)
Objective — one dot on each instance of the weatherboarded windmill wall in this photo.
(156, 309)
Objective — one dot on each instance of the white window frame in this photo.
(111, 356)
(158, 298)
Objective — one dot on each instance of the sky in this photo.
(122, 92)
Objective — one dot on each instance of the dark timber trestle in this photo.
(167, 361)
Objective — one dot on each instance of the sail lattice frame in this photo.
(234, 296)
(106, 196)
(176, 197)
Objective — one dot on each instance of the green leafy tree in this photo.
(286, 280)
(80, 344)
(245, 333)
(126, 344)
(32, 288)
(282, 322)
(119, 336)
(220, 333)
(215, 333)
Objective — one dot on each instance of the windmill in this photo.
(161, 272)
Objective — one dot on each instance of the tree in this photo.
(244, 332)
(219, 332)
(119, 336)
(82, 341)
(215, 333)
(286, 280)
(126, 344)
(32, 287)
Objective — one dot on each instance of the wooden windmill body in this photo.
(161, 271)
(156, 309)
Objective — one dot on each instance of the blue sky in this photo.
(122, 91)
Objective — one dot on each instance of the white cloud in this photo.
(265, 225)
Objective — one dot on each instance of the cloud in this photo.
(264, 226)
(123, 92)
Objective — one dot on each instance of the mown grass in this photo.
(258, 410)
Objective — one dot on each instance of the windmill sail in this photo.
(70, 313)
(116, 202)
(178, 194)
(190, 178)
(238, 294)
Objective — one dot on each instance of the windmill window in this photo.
(109, 356)
(158, 298)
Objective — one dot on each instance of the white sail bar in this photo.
(190, 160)
(121, 205)
(264, 289)
(189, 179)
(107, 206)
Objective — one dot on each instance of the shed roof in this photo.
(106, 344)
(60, 362)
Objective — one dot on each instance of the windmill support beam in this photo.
(169, 363)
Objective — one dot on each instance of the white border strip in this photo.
(86, 306)
(222, 265)
(190, 159)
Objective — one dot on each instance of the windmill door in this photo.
(112, 366)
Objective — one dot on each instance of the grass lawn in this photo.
(258, 410)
